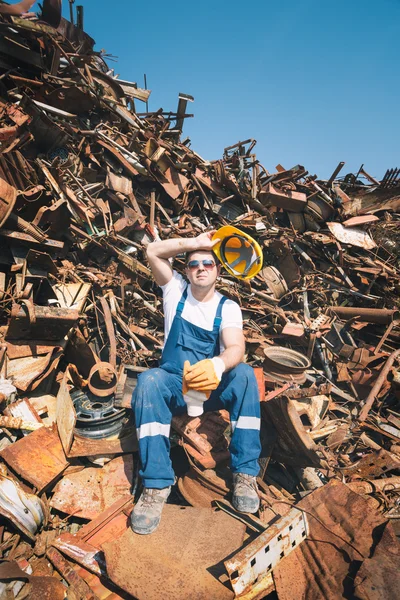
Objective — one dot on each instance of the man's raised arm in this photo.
(158, 253)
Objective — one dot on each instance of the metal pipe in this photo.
(377, 386)
(382, 316)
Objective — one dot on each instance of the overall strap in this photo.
(181, 303)
(218, 314)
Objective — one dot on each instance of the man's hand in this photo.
(203, 376)
(205, 242)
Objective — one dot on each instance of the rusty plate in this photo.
(181, 560)
(373, 465)
(39, 457)
(343, 532)
(89, 492)
(379, 576)
(28, 372)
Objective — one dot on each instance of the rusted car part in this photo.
(294, 445)
(25, 511)
(283, 364)
(8, 196)
(92, 490)
(274, 281)
(182, 565)
(77, 445)
(97, 417)
(250, 570)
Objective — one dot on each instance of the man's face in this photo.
(200, 276)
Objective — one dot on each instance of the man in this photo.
(204, 330)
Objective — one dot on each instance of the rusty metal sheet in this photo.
(72, 295)
(201, 487)
(182, 565)
(373, 465)
(379, 575)
(40, 588)
(86, 447)
(362, 220)
(288, 199)
(352, 236)
(342, 533)
(27, 373)
(42, 323)
(25, 348)
(39, 457)
(88, 493)
(314, 407)
(102, 589)
(22, 409)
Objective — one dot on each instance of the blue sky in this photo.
(315, 82)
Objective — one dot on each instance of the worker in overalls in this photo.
(203, 355)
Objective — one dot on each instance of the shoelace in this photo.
(149, 498)
(244, 479)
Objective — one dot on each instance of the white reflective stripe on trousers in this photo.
(246, 423)
(151, 429)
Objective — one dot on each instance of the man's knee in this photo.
(147, 385)
(150, 378)
(243, 370)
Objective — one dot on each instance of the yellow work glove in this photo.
(205, 375)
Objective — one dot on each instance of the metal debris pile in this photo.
(88, 177)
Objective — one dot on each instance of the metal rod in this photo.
(377, 386)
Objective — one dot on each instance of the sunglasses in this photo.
(208, 264)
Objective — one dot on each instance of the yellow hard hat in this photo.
(241, 256)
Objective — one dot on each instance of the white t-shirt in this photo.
(201, 314)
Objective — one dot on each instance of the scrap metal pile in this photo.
(87, 179)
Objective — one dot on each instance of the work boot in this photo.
(146, 514)
(245, 495)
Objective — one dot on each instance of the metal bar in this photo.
(377, 386)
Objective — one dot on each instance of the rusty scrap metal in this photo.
(180, 564)
(87, 180)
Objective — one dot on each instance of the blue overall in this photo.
(158, 397)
